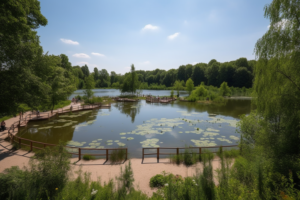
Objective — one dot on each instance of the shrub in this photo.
(192, 98)
(189, 157)
(88, 157)
(219, 99)
(176, 159)
(117, 156)
(47, 170)
(157, 181)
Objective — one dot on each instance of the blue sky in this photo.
(151, 34)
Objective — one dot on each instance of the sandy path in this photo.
(142, 172)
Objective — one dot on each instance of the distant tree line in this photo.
(238, 73)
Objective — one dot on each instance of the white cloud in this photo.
(69, 41)
(194, 63)
(146, 62)
(98, 54)
(150, 27)
(82, 63)
(171, 37)
(81, 55)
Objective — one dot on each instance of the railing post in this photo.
(177, 151)
(30, 145)
(79, 154)
(157, 154)
(106, 154)
(126, 154)
(200, 151)
(19, 142)
(143, 154)
(44, 146)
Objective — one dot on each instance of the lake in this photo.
(115, 92)
(141, 124)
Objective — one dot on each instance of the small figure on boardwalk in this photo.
(3, 125)
(38, 113)
(71, 108)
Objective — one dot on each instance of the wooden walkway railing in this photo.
(158, 153)
(46, 115)
(75, 150)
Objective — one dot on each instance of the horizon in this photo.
(151, 35)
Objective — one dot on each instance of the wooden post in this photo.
(19, 142)
(126, 154)
(157, 154)
(30, 145)
(177, 151)
(106, 154)
(143, 154)
(200, 150)
(44, 146)
(79, 154)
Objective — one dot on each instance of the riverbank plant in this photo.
(88, 157)
(117, 156)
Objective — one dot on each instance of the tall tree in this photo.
(212, 74)
(181, 73)
(19, 49)
(96, 74)
(85, 70)
(189, 85)
(65, 62)
(277, 85)
(188, 71)
(198, 74)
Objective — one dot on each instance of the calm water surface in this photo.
(141, 124)
(115, 92)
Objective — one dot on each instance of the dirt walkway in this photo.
(142, 172)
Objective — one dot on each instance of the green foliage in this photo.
(131, 81)
(117, 156)
(172, 94)
(178, 86)
(157, 181)
(88, 157)
(224, 89)
(200, 91)
(47, 171)
(189, 85)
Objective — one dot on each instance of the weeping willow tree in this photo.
(277, 86)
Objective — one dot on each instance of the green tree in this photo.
(89, 85)
(85, 71)
(65, 62)
(243, 78)
(181, 73)
(96, 73)
(224, 89)
(20, 49)
(189, 85)
(212, 74)
(188, 71)
(277, 87)
(178, 86)
(131, 81)
(198, 74)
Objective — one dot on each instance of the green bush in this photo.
(157, 181)
(47, 171)
(176, 159)
(88, 157)
(117, 156)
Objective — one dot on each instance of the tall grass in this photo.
(117, 156)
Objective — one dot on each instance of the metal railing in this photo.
(158, 153)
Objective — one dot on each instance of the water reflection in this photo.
(130, 109)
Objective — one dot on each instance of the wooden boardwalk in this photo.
(47, 115)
